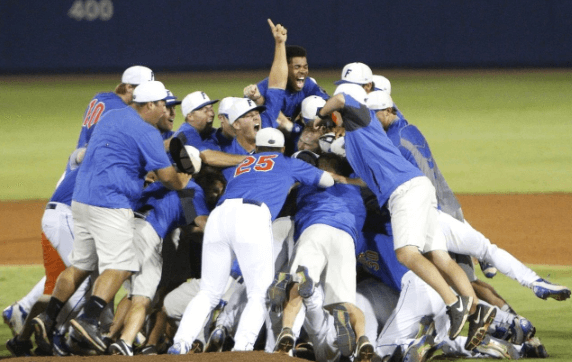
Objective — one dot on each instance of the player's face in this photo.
(309, 141)
(166, 122)
(384, 117)
(247, 125)
(297, 73)
(202, 118)
(227, 129)
(158, 111)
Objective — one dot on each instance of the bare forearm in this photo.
(220, 159)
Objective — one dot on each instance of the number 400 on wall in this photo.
(91, 10)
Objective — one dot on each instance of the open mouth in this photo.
(300, 82)
(257, 127)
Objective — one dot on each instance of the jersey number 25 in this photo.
(264, 163)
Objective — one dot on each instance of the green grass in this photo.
(490, 132)
(551, 318)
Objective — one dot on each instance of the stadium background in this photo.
(494, 129)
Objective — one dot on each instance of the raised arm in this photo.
(278, 77)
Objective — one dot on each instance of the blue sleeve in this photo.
(305, 173)
(263, 87)
(153, 150)
(273, 102)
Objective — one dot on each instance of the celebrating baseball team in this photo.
(310, 225)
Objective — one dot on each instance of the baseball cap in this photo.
(137, 74)
(194, 101)
(310, 107)
(225, 104)
(269, 137)
(381, 83)
(242, 106)
(356, 73)
(149, 92)
(171, 100)
(339, 147)
(187, 158)
(355, 91)
(377, 100)
(325, 141)
(306, 156)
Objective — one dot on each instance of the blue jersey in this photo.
(371, 154)
(273, 100)
(166, 135)
(292, 101)
(236, 149)
(221, 140)
(340, 206)
(190, 136)
(122, 150)
(267, 178)
(414, 147)
(97, 108)
(374, 252)
(167, 209)
(64, 190)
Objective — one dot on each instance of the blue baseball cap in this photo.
(171, 100)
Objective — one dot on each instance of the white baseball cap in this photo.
(149, 92)
(194, 157)
(381, 83)
(242, 106)
(356, 73)
(194, 101)
(325, 141)
(355, 91)
(377, 100)
(270, 137)
(310, 107)
(225, 104)
(137, 74)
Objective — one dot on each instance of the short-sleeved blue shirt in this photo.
(97, 108)
(371, 153)
(267, 178)
(122, 150)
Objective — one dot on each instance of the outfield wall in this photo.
(107, 35)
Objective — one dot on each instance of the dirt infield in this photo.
(536, 228)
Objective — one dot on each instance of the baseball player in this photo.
(412, 203)
(125, 147)
(461, 236)
(15, 314)
(160, 211)
(225, 133)
(197, 130)
(327, 222)
(165, 124)
(241, 226)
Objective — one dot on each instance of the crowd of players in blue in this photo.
(314, 226)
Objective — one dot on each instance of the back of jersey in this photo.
(97, 108)
(267, 178)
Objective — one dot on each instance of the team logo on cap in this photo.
(347, 72)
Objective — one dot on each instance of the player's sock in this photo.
(94, 307)
(54, 307)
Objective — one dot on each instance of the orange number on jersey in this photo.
(94, 113)
(264, 163)
(244, 166)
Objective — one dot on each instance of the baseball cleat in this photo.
(197, 347)
(304, 350)
(216, 340)
(89, 330)
(346, 338)
(277, 292)
(14, 316)
(458, 314)
(285, 341)
(497, 348)
(43, 331)
(149, 350)
(544, 290)
(121, 348)
(420, 350)
(19, 348)
(426, 326)
(179, 348)
(60, 347)
(533, 348)
(306, 285)
(479, 323)
(365, 351)
(488, 269)
(521, 330)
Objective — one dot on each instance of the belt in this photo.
(252, 202)
(139, 215)
(51, 206)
